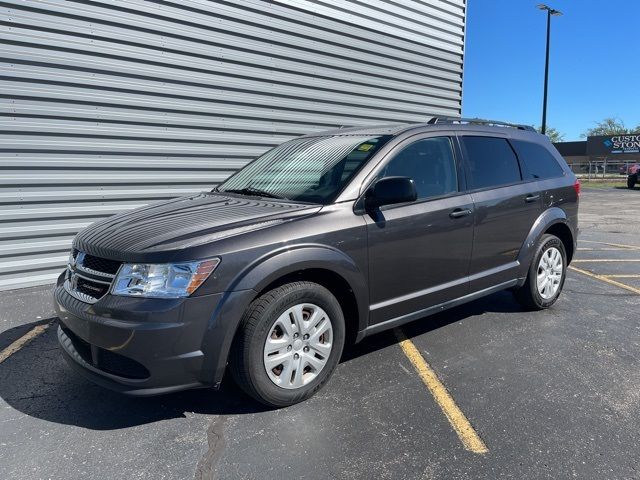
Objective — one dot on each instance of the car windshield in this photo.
(312, 169)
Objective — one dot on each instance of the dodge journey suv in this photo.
(322, 240)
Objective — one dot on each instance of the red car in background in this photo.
(632, 175)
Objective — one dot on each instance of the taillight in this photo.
(576, 187)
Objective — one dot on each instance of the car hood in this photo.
(184, 222)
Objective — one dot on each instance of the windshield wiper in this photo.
(254, 192)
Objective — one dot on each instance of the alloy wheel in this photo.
(298, 346)
(550, 271)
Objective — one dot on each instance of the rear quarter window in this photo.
(538, 160)
(491, 161)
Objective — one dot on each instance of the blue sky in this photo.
(595, 62)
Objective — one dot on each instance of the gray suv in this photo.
(325, 239)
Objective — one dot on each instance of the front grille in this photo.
(89, 278)
(101, 264)
(105, 360)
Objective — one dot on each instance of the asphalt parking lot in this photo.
(551, 394)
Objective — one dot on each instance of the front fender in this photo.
(258, 275)
(548, 218)
(274, 265)
(269, 268)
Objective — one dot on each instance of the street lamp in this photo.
(555, 13)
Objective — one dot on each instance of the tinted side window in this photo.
(491, 161)
(431, 165)
(539, 161)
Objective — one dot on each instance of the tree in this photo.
(554, 135)
(608, 126)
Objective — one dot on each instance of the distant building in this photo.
(613, 149)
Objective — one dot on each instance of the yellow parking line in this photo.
(590, 260)
(606, 279)
(467, 434)
(632, 247)
(22, 341)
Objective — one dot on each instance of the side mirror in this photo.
(390, 190)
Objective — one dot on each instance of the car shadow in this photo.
(37, 382)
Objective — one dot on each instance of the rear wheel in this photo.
(546, 275)
(290, 343)
(632, 180)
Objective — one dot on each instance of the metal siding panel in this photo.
(304, 108)
(384, 18)
(109, 105)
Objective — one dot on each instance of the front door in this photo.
(419, 252)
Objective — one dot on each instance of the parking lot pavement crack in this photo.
(215, 440)
(30, 397)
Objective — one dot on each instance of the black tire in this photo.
(247, 362)
(528, 295)
(631, 181)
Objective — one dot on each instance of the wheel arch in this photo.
(339, 288)
(313, 262)
(563, 232)
(553, 220)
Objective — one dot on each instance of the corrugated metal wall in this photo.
(108, 105)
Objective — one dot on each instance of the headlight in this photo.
(164, 280)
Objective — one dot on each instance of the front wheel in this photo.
(290, 342)
(546, 275)
(631, 181)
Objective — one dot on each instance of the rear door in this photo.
(543, 168)
(506, 207)
(419, 252)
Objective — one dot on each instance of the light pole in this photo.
(555, 13)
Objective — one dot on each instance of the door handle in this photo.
(531, 198)
(458, 212)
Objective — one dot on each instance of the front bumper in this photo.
(141, 346)
(104, 379)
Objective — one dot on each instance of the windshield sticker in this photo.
(365, 147)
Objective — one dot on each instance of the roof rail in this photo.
(479, 121)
